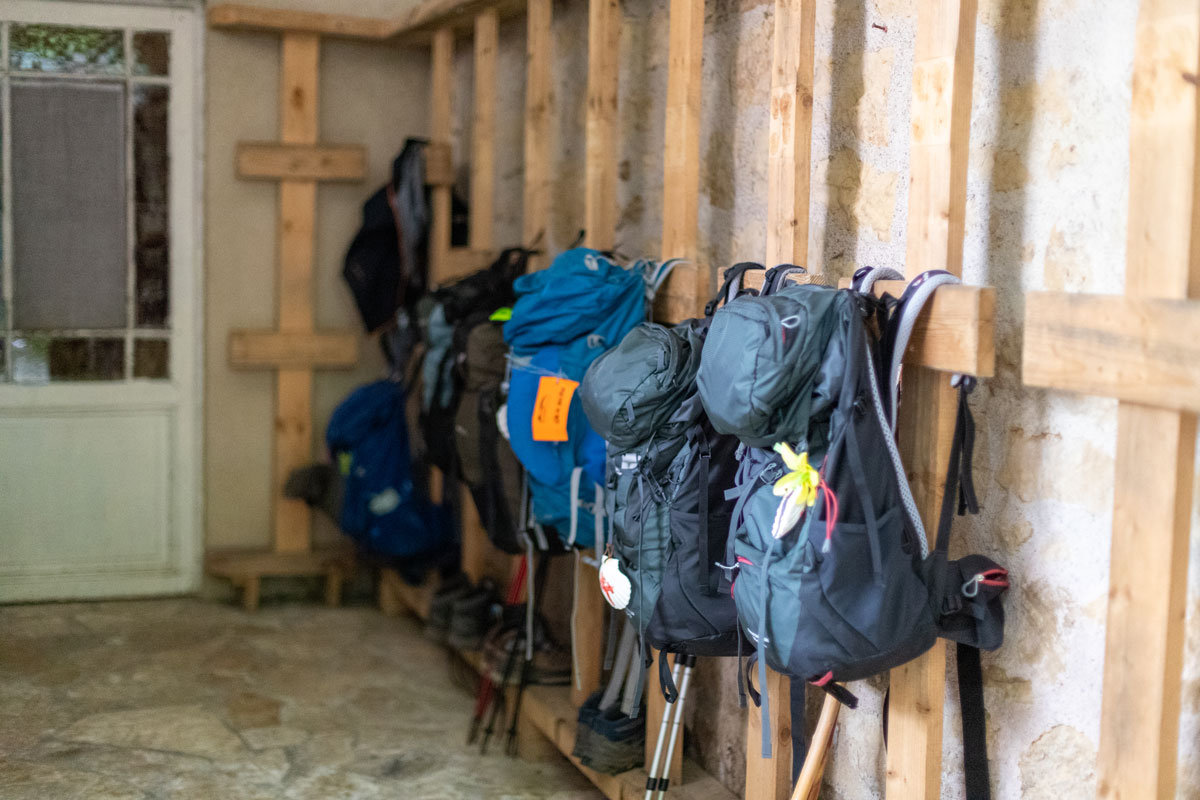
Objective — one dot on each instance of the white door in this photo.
(99, 367)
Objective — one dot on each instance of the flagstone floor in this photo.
(180, 698)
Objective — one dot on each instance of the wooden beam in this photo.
(441, 96)
(788, 188)
(250, 349)
(1143, 661)
(539, 113)
(789, 155)
(483, 131)
(301, 162)
(439, 164)
(413, 25)
(297, 212)
(687, 287)
(956, 330)
(1143, 350)
(941, 125)
(600, 180)
(278, 20)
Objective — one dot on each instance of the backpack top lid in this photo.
(582, 293)
(765, 360)
(632, 391)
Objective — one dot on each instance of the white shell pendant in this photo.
(613, 583)
(787, 515)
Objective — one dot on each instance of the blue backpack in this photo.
(383, 511)
(565, 317)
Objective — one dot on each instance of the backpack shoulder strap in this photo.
(732, 287)
(900, 327)
(865, 277)
(777, 277)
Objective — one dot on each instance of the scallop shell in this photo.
(787, 515)
(613, 583)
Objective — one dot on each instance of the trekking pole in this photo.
(652, 774)
(539, 591)
(809, 784)
(483, 694)
(689, 661)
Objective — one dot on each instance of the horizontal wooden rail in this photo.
(956, 331)
(416, 23)
(301, 162)
(1138, 349)
(257, 349)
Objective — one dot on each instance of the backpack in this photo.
(382, 509)
(667, 472)
(450, 313)
(487, 463)
(837, 581)
(566, 316)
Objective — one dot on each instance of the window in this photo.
(85, 248)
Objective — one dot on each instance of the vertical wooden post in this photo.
(788, 170)
(539, 111)
(687, 287)
(600, 198)
(440, 124)
(483, 131)
(600, 213)
(297, 212)
(941, 122)
(1143, 662)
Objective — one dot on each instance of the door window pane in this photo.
(151, 358)
(151, 166)
(60, 48)
(152, 53)
(68, 205)
(87, 359)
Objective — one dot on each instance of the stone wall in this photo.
(1047, 197)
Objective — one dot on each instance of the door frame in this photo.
(183, 393)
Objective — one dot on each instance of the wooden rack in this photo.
(1071, 341)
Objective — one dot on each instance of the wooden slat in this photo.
(439, 164)
(1143, 662)
(269, 161)
(266, 563)
(688, 285)
(250, 349)
(770, 778)
(483, 131)
(941, 117)
(278, 20)
(441, 94)
(600, 181)
(297, 211)
(956, 330)
(589, 632)
(789, 157)
(787, 201)
(413, 25)
(1142, 350)
(539, 113)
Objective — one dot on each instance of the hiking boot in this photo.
(472, 616)
(551, 664)
(609, 741)
(441, 607)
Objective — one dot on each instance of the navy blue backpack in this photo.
(383, 510)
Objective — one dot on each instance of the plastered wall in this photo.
(370, 94)
(1047, 198)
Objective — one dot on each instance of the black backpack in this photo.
(844, 584)
(450, 314)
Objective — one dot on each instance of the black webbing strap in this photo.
(974, 723)
(705, 560)
(958, 475)
(799, 726)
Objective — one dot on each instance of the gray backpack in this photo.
(837, 581)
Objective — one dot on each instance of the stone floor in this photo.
(186, 699)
